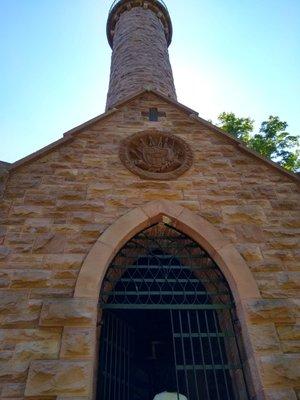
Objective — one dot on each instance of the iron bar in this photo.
(221, 355)
(165, 292)
(233, 322)
(207, 367)
(158, 266)
(107, 327)
(111, 360)
(206, 334)
(128, 360)
(192, 350)
(174, 350)
(202, 356)
(140, 306)
(184, 356)
(212, 356)
(124, 363)
(150, 280)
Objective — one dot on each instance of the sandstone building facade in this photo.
(68, 210)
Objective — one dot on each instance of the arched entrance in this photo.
(168, 320)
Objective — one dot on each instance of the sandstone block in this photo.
(63, 261)
(285, 204)
(29, 278)
(279, 285)
(54, 292)
(213, 216)
(282, 243)
(72, 194)
(13, 372)
(23, 261)
(244, 215)
(26, 317)
(281, 370)
(39, 198)
(5, 355)
(63, 378)
(288, 332)
(27, 211)
(4, 252)
(280, 311)
(40, 224)
(65, 275)
(250, 252)
(83, 217)
(289, 280)
(17, 311)
(78, 343)
(281, 394)
(98, 189)
(9, 338)
(11, 300)
(291, 346)
(13, 390)
(49, 243)
(92, 230)
(74, 398)
(250, 233)
(46, 349)
(68, 312)
(264, 337)
(68, 173)
(4, 279)
(20, 243)
(291, 223)
(63, 283)
(284, 255)
(76, 205)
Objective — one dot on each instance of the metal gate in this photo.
(162, 269)
(115, 359)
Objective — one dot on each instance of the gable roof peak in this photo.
(71, 134)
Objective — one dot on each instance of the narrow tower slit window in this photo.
(167, 313)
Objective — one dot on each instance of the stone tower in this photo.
(139, 33)
(148, 177)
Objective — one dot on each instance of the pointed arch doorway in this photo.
(168, 319)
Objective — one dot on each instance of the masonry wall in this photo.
(56, 207)
(140, 57)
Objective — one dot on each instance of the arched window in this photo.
(168, 320)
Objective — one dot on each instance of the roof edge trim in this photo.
(69, 135)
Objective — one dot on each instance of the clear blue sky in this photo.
(227, 55)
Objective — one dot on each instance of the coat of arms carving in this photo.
(153, 154)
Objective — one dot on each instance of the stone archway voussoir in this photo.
(203, 232)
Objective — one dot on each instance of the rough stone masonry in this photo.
(56, 204)
(140, 56)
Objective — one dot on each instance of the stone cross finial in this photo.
(139, 36)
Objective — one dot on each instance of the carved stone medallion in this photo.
(153, 154)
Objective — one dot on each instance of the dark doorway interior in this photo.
(147, 337)
(143, 349)
(153, 350)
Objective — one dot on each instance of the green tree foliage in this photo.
(272, 141)
(241, 128)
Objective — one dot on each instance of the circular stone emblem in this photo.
(156, 155)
